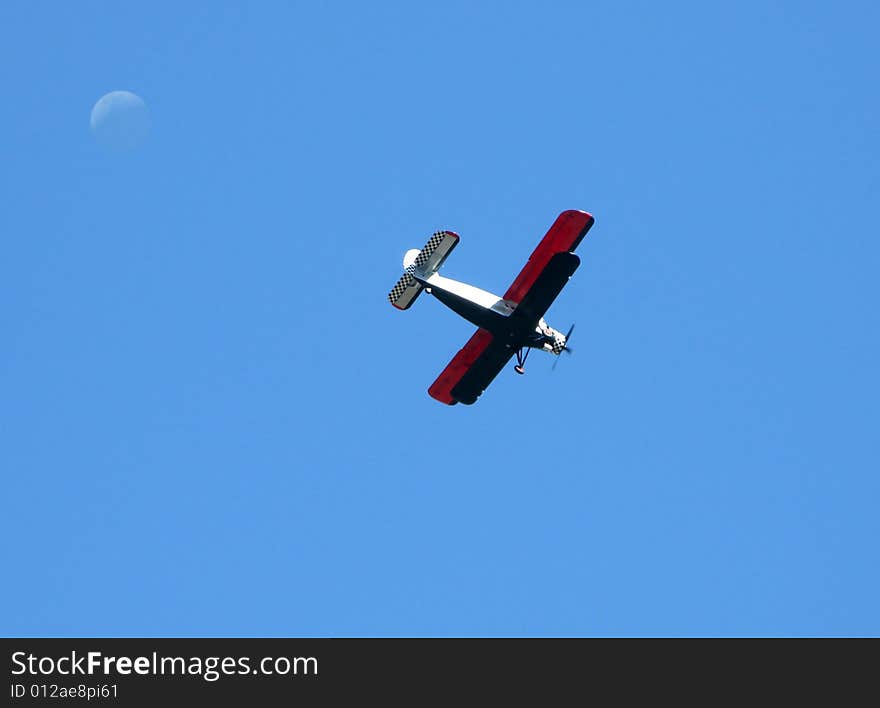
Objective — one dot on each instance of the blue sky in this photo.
(213, 423)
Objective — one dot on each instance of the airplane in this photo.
(507, 326)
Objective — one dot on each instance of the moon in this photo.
(120, 120)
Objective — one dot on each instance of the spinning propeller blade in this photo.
(565, 348)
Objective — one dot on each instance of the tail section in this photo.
(439, 246)
(424, 263)
(405, 292)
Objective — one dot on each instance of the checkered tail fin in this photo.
(405, 292)
(426, 262)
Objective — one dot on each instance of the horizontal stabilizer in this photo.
(439, 246)
(425, 263)
(405, 292)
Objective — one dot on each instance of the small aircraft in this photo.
(509, 325)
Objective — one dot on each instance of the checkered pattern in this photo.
(558, 344)
(406, 281)
(429, 248)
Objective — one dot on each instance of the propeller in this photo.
(567, 349)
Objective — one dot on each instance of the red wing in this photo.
(545, 289)
(471, 370)
(480, 360)
(564, 236)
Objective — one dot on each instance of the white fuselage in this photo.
(477, 296)
(486, 309)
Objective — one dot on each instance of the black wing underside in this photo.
(545, 289)
(524, 319)
(482, 372)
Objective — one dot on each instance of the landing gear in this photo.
(520, 367)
